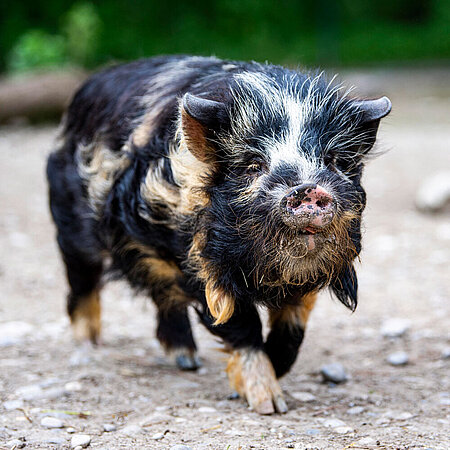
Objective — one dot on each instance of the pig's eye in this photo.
(254, 168)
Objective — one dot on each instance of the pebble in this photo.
(312, 432)
(31, 392)
(334, 423)
(15, 443)
(402, 416)
(80, 440)
(155, 419)
(52, 422)
(55, 440)
(395, 327)
(398, 359)
(71, 430)
(356, 410)
(12, 333)
(73, 386)
(343, 430)
(158, 436)
(367, 441)
(445, 353)
(304, 397)
(13, 404)
(108, 427)
(180, 447)
(334, 372)
(207, 409)
(434, 193)
(131, 430)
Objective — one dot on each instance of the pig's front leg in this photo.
(249, 369)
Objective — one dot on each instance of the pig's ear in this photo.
(371, 112)
(374, 110)
(201, 119)
(345, 287)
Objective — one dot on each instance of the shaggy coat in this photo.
(222, 185)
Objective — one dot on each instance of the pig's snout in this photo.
(308, 206)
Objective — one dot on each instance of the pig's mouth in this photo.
(308, 231)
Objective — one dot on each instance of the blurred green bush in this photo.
(327, 32)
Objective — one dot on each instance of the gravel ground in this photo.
(125, 394)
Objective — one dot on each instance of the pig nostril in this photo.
(324, 201)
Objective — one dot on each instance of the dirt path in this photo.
(146, 403)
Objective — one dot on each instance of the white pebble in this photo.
(80, 440)
(304, 397)
(71, 430)
(158, 436)
(31, 392)
(73, 386)
(343, 430)
(131, 430)
(367, 441)
(180, 447)
(334, 423)
(109, 427)
(395, 327)
(207, 409)
(13, 404)
(398, 359)
(52, 422)
(434, 193)
(14, 332)
(356, 410)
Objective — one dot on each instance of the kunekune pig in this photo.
(218, 184)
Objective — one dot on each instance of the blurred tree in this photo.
(287, 31)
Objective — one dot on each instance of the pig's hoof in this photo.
(252, 375)
(186, 359)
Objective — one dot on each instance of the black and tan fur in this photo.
(175, 168)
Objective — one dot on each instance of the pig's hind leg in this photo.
(79, 247)
(174, 329)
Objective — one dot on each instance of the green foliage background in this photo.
(50, 33)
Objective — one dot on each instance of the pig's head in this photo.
(287, 152)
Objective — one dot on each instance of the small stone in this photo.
(31, 392)
(180, 447)
(207, 409)
(73, 386)
(367, 441)
(445, 353)
(334, 372)
(343, 430)
(356, 410)
(52, 422)
(15, 443)
(334, 423)
(131, 430)
(304, 397)
(312, 432)
(13, 404)
(158, 436)
(71, 430)
(434, 193)
(155, 419)
(108, 427)
(395, 327)
(402, 416)
(80, 440)
(398, 359)
(55, 440)
(12, 333)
